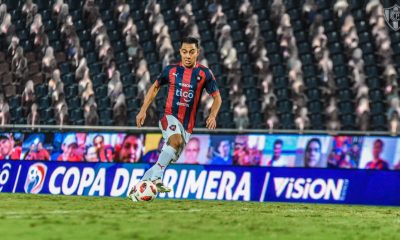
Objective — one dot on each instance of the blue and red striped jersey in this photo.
(380, 165)
(185, 86)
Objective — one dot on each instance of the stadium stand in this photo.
(307, 64)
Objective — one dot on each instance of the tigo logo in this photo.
(35, 178)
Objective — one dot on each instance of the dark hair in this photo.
(98, 135)
(313, 140)
(379, 141)
(278, 141)
(194, 139)
(191, 40)
(316, 140)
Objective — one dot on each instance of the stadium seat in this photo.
(374, 82)
(279, 71)
(98, 80)
(74, 102)
(348, 121)
(64, 68)
(312, 82)
(104, 103)
(71, 90)
(128, 79)
(41, 90)
(44, 102)
(315, 106)
(346, 107)
(278, 64)
(49, 25)
(313, 94)
(131, 91)
(101, 92)
(379, 123)
(68, 79)
(317, 121)
(285, 106)
(345, 95)
(377, 108)
(76, 115)
(342, 82)
(121, 58)
(282, 93)
(286, 121)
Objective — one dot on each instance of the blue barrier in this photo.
(206, 182)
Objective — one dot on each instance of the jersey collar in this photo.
(196, 65)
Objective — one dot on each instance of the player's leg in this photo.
(167, 155)
(172, 132)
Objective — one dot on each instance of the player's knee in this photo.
(176, 141)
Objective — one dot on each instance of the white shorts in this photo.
(169, 126)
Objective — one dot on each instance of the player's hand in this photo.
(140, 118)
(211, 122)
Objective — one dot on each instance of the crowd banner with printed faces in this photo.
(208, 182)
(263, 150)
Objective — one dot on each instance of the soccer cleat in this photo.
(161, 188)
(132, 196)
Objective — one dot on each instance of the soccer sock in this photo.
(167, 154)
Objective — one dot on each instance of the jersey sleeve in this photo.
(211, 84)
(162, 79)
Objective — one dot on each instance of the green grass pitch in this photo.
(25, 216)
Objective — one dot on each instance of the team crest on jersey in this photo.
(392, 17)
(172, 127)
(198, 78)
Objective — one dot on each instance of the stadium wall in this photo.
(247, 177)
(206, 182)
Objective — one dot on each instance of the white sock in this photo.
(167, 154)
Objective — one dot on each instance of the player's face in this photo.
(40, 146)
(313, 154)
(5, 147)
(376, 151)
(70, 151)
(130, 150)
(192, 151)
(98, 142)
(224, 148)
(91, 155)
(277, 150)
(189, 53)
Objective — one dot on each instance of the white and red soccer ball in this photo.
(144, 191)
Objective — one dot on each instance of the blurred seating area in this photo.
(280, 64)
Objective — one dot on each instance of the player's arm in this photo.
(151, 94)
(211, 122)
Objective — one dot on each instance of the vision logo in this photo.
(35, 178)
(307, 188)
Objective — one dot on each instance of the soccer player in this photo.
(312, 154)
(277, 160)
(377, 162)
(191, 152)
(185, 82)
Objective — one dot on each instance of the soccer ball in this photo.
(144, 191)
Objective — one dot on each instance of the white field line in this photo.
(38, 214)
